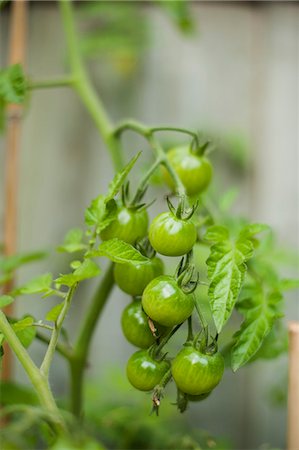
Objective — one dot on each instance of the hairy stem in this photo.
(55, 83)
(81, 348)
(85, 89)
(38, 380)
(45, 366)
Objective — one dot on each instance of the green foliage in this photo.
(86, 269)
(73, 242)
(24, 330)
(120, 252)
(260, 308)
(227, 268)
(12, 89)
(5, 300)
(102, 210)
(117, 34)
(54, 312)
(38, 285)
(180, 12)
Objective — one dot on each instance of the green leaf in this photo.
(96, 211)
(12, 84)
(109, 216)
(119, 179)
(288, 284)
(259, 320)
(216, 233)
(15, 394)
(88, 269)
(24, 330)
(226, 270)
(120, 252)
(54, 312)
(10, 263)
(38, 285)
(73, 242)
(5, 300)
(253, 229)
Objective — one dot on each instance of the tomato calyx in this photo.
(144, 247)
(184, 275)
(182, 212)
(199, 147)
(136, 204)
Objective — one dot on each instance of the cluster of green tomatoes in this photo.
(162, 303)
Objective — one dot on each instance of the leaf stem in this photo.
(145, 179)
(167, 338)
(55, 83)
(45, 366)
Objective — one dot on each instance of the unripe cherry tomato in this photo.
(133, 278)
(129, 225)
(165, 302)
(196, 373)
(135, 326)
(144, 372)
(172, 236)
(194, 171)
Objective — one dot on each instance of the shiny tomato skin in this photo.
(171, 236)
(194, 171)
(165, 302)
(133, 278)
(134, 323)
(144, 372)
(196, 373)
(129, 225)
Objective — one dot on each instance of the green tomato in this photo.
(165, 302)
(198, 398)
(194, 171)
(144, 372)
(171, 236)
(134, 323)
(133, 278)
(196, 373)
(129, 225)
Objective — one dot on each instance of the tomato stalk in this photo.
(37, 378)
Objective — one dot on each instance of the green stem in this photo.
(81, 348)
(85, 89)
(55, 83)
(45, 366)
(38, 380)
(202, 320)
(62, 349)
(166, 339)
(145, 179)
(156, 147)
(190, 336)
(179, 130)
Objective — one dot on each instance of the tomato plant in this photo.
(201, 295)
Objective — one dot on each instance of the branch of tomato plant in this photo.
(148, 134)
(63, 81)
(38, 380)
(84, 87)
(61, 348)
(80, 352)
(45, 366)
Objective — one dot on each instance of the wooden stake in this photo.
(293, 387)
(16, 55)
